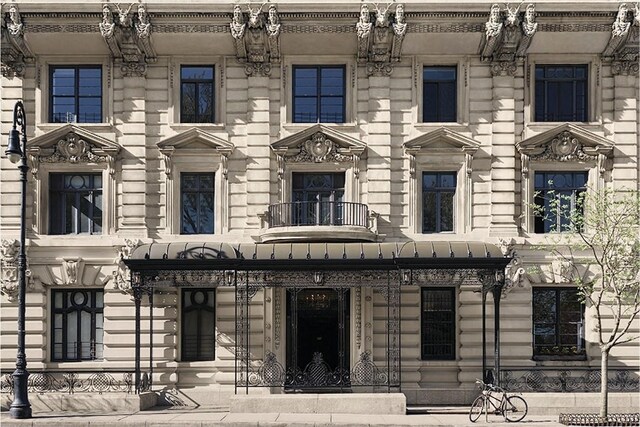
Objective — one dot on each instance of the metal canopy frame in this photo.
(259, 271)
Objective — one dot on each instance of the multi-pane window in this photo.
(196, 192)
(318, 198)
(76, 94)
(319, 94)
(439, 94)
(198, 324)
(75, 203)
(197, 96)
(77, 324)
(558, 322)
(438, 324)
(438, 191)
(561, 93)
(558, 195)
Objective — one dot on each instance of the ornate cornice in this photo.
(507, 38)
(128, 36)
(380, 39)
(256, 38)
(15, 53)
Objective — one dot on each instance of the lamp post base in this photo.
(20, 407)
(20, 412)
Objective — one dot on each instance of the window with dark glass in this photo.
(77, 324)
(439, 102)
(196, 192)
(438, 324)
(557, 195)
(197, 94)
(198, 324)
(319, 94)
(76, 94)
(558, 322)
(75, 203)
(438, 191)
(318, 198)
(561, 93)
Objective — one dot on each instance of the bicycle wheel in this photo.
(515, 409)
(476, 408)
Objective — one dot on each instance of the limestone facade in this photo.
(141, 147)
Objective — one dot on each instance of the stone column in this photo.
(129, 112)
(503, 162)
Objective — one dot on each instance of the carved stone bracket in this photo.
(380, 41)
(507, 37)
(622, 48)
(256, 39)
(73, 149)
(122, 274)
(15, 53)
(9, 250)
(128, 36)
(73, 269)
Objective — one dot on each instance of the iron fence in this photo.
(318, 213)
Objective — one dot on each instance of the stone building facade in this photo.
(167, 134)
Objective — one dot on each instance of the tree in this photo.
(596, 235)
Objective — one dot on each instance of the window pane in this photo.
(446, 211)
(429, 212)
(90, 110)
(188, 113)
(197, 73)
(439, 94)
(318, 94)
(198, 324)
(63, 82)
(189, 213)
(332, 82)
(305, 81)
(558, 316)
(306, 110)
(331, 110)
(206, 213)
(438, 324)
(561, 93)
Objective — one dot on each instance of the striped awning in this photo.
(316, 255)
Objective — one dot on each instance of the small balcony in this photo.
(326, 221)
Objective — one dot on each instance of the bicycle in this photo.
(495, 399)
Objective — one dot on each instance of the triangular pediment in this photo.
(566, 142)
(442, 140)
(69, 134)
(195, 139)
(319, 136)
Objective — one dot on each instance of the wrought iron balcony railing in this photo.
(318, 213)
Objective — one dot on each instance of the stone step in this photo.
(356, 403)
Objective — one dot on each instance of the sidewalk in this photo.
(207, 417)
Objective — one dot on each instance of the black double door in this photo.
(318, 337)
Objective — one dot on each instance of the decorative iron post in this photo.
(17, 152)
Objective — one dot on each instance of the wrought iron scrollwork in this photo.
(576, 380)
(73, 382)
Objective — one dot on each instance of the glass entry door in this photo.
(318, 337)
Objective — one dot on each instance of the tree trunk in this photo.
(604, 383)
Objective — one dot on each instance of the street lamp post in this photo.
(17, 152)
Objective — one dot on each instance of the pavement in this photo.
(209, 417)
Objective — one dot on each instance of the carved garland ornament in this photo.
(72, 149)
(564, 148)
(9, 250)
(122, 274)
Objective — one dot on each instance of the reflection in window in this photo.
(318, 198)
(558, 195)
(75, 203)
(438, 191)
(198, 324)
(439, 94)
(318, 94)
(561, 93)
(558, 322)
(196, 192)
(76, 94)
(77, 324)
(197, 95)
(438, 324)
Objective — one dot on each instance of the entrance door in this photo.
(318, 337)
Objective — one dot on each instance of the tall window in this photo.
(317, 198)
(558, 322)
(438, 324)
(75, 203)
(561, 93)
(197, 203)
(319, 94)
(77, 324)
(197, 96)
(558, 194)
(198, 324)
(439, 94)
(438, 191)
(76, 94)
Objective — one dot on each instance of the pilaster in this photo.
(625, 128)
